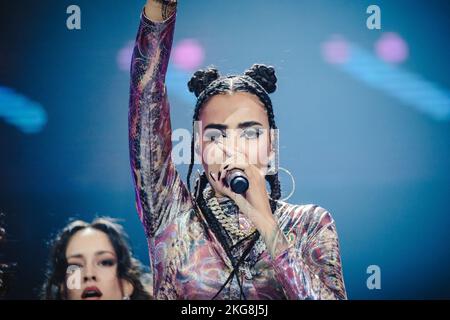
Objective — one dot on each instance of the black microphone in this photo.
(237, 180)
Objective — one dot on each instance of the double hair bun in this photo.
(262, 74)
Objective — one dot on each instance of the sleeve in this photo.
(160, 192)
(310, 268)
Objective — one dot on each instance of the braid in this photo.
(214, 224)
(275, 190)
(212, 221)
(191, 164)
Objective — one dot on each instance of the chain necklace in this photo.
(227, 213)
(227, 218)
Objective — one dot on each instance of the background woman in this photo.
(92, 261)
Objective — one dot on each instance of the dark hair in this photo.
(259, 80)
(128, 268)
(7, 270)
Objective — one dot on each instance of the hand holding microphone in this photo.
(237, 180)
(245, 184)
(242, 181)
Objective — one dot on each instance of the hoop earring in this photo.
(293, 184)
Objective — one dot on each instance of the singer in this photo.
(216, 243)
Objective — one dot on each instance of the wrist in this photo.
(274, 239)
(159, 10)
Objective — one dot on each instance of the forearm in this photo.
(273, 237)
(149, 121)
(160, 10)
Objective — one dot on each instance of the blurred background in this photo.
(364, 118)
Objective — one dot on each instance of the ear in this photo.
(127, 287)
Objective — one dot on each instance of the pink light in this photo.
(336, 50)
(188, 55)
(124, 56)
(392, 48)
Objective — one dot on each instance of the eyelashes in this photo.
(102, 263)
(253, 133)
(248, 133)
(108, 262)
(213, 135)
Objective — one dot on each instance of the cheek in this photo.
(109, 284)
(73, 285)
(212, 155)
(73, 294)
(258, 152)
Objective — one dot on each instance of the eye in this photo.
(213, 135)
(71, 267)
(252, 133)
(107, 262)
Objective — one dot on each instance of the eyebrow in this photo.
(241, 125)
(98, 253)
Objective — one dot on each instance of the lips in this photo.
(91, 293)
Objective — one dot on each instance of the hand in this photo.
(254, 204)
(160, 10)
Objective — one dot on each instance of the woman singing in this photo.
(93, 261)
(215, 243)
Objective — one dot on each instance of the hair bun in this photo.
(201, 79)
(264, 75)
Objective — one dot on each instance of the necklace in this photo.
(227, 213)
(228, 219)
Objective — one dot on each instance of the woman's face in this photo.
(232, 125)
(93, 264)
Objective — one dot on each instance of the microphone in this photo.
(237, 180)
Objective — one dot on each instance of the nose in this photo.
(232, 143)
(87, 278)
(89, 274)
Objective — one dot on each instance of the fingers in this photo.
(219, 186)
(230, 164)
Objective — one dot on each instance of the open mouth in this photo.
(91, 293)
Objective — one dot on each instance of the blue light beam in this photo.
(29, 116)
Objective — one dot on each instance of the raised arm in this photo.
(160, 192)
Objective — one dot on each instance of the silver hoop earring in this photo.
(293, 184)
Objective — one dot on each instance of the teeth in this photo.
(90, 294)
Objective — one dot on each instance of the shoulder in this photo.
(303, 219)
